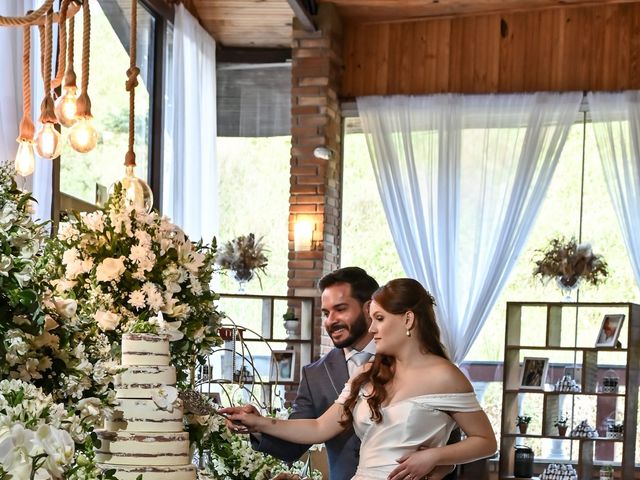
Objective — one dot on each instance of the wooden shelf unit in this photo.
(559, 327)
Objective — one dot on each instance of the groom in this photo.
(346, 295)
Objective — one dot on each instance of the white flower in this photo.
(94, 220)
(136, 299)
(165, 397)
(66, 308)
(172, 329)
(106, 320)
(110, 269)
(15, 443)
(59, 447)
(90, 409)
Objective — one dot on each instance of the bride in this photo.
(404, 404)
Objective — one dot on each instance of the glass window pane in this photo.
(110, 37)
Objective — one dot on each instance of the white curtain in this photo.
(190, 183)
(461, 180)
(11, 102)
(616, 124)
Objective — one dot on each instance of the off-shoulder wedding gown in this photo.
(405, 426)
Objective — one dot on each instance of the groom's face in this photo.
(345, 318)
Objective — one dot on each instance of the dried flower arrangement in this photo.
(244, 255)
(569, 262)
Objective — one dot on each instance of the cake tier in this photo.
(128, 472)
(148, 449)
(138, 381)
(143, 415)
(145, 349)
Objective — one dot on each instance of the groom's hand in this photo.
(420, 465)
(233, 426)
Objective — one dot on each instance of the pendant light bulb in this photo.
(83, 136)
(48, 142)
(66, 106)
(25, 159)
(137, 193)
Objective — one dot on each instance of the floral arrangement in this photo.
(21, 240)
(523, 420)
(243, 255)
(41, 439)
(120, 270)
(569, 262)
(229, 456)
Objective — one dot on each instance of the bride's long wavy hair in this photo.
(397, 297)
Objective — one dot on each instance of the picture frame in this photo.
(215, 397)
(609, 330)
(283, 363)
(534, 373)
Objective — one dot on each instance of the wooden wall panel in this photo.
(579, 48)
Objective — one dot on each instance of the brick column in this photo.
(315, 193)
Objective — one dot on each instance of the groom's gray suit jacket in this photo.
(320, 384)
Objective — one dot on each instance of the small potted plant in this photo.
(561, 424)
(522, 422)
(606, 472)
(290, 322)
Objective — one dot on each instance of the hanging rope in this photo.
(47, 113)
(29, 19)
(70, 74)
(131, 84)
(27, 129)
(62, 45)
(84, 103)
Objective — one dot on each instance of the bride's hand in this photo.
(419, 465)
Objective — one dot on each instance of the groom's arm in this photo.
(302, 408)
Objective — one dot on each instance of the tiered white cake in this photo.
(142, 437)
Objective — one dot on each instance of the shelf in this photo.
(558, 437)
(565, 349)
(557, 330)
(552, 392)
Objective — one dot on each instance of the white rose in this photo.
(90, 408)
(110, 269)
(106, 320)
(65, 308)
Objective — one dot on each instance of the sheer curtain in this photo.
(616, 124)
(11, 102)
(461, 180)
(190, 184)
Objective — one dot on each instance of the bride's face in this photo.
(388, 329)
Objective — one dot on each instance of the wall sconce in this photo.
(303, 236)
(323, 153)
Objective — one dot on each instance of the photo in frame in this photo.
(610, 330)
(534, 373)
(215, 397)
(282, 366)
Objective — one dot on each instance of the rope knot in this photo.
(132, 78)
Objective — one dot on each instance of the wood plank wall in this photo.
(593, 48)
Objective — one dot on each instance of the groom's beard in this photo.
(357, 329)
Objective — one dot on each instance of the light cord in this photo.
(131, 84)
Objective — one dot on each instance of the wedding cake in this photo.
(145, 435)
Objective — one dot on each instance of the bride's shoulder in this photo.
(445, 377)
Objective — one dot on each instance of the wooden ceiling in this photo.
(267, 23)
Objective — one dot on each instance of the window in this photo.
(367, 242)
(80, 174)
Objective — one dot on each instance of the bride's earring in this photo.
(408, 332)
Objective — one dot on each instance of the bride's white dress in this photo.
(405, 426)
